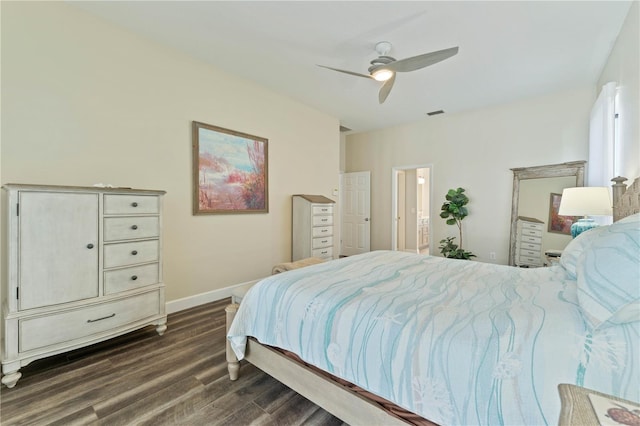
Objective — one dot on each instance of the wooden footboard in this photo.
(331, 396)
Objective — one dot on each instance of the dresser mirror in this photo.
(532, 189)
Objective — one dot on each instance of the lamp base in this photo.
(582, 225)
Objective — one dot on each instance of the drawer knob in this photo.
(135, 277)
(89, 246)
(325, 230)
(103, 318)
(134, 227)
(134, 252)
(134, 204)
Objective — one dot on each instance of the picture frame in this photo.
(230, 171)
(559, 224)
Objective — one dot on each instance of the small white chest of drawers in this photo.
(83, 265)
(312, 230)
(529, 242)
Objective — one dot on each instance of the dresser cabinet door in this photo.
(58, 244)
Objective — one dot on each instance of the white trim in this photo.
(202, 298)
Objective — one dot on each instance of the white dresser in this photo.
(312, 233)
(529, 242)
(82, 265)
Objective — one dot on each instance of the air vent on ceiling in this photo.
(435, 112)
(344, 129)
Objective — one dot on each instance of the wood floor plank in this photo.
(248, 414)
(275, 397)
(296, 412)
(149, 380)
(141, 379)
(79, 418)
(151, 404)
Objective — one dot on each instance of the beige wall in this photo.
(85, 102)
(623, 67)
(474, 150)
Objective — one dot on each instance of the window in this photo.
(604, 149)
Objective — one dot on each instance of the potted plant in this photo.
(454, 210)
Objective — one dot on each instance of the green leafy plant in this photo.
(454, 211)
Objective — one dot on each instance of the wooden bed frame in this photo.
(339, 400)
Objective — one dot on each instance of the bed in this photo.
(450, 341)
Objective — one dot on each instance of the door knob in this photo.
(366, 219)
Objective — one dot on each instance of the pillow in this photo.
(632, 218)
(608, 275)
(576, 247)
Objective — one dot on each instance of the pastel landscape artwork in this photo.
(231, 172)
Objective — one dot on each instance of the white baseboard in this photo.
(202, 298)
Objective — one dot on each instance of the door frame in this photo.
(401, 210)
(394, 199)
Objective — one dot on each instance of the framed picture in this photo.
(559, 224)
(230, 173)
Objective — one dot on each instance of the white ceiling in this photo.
(508, 49)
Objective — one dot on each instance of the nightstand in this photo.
(576, 406)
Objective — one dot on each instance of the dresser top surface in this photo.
(529, 219)
(62, 188)
(320, 199)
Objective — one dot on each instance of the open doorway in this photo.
(411, 206)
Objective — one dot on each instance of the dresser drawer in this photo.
(119, 280)
(530, 246)
(124, 254)
(322, 242)
(530, 253)
(532, 225)
(322, 252)
(131, 204)
(77, 324)
(129, 228)
(321, 231)
(531, 232)
(319, 210)
(525, 260)
(322, 220)
(530, 239)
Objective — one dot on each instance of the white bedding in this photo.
(457, 342)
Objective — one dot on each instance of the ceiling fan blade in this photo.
(346, 72)
(385, 89)
(416, 62)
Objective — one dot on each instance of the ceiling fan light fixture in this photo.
(384, 67)
(382, 74)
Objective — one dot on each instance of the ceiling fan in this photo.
(384, 68)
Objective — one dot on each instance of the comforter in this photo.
(457, 342)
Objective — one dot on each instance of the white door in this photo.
(356, 213)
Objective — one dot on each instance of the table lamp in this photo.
(585, 201)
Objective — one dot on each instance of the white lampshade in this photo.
(585, 201)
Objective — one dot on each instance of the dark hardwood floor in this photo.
(145, 379)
